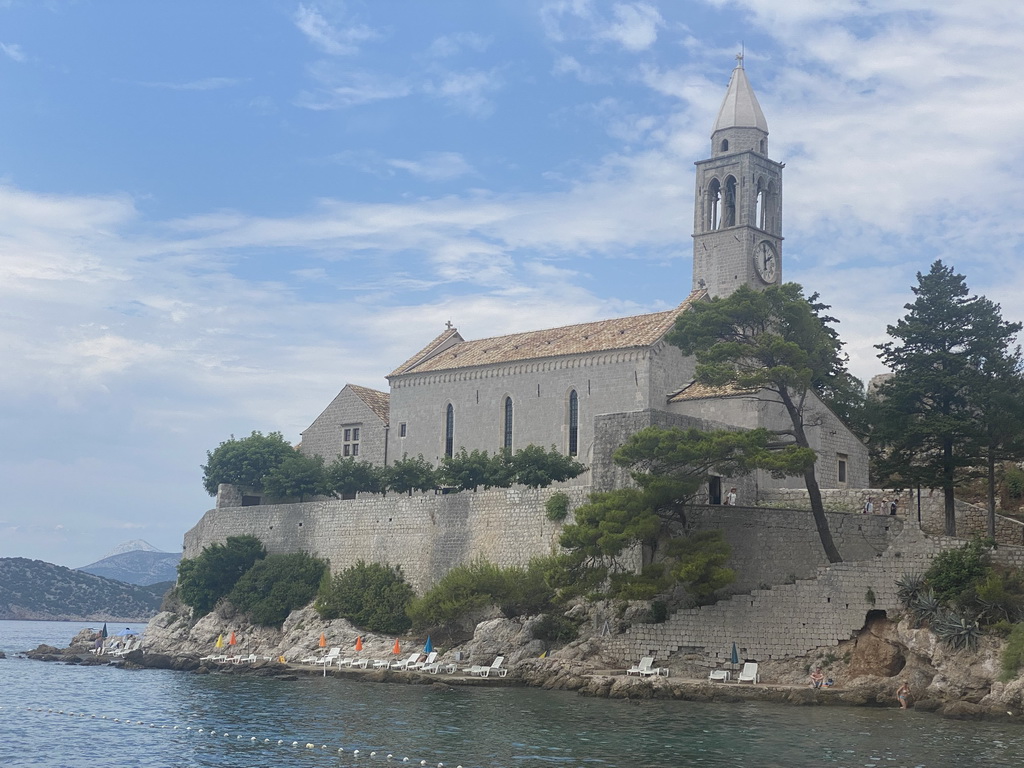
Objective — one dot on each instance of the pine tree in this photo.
(777, 343)
(953, 366)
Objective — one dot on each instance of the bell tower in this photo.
(737, 218)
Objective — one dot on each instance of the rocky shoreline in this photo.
(867, 670)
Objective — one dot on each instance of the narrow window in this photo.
(401, 429)
(841, 468)
(714, 202)
(725, 145)
(507, 443)
(574, 424)
(729, 203)
(449, 431)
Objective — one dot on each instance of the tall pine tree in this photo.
(953, 367)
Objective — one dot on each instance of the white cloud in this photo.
(340, 89)
(447, 46)
(205, 84)
(330, 38)
(633, 26)
(13, 51)
(435, 166)
(468, 91)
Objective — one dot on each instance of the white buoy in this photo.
(295, 743)
(323, 746)
(280, 742)
(266, 741)
(391, 757)
(405, 759)
(423, 762)
(373, 754)
(253, 739)
(309, 745)
(355, 752)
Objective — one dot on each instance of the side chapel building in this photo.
(549, 387)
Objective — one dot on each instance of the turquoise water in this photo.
(479, 728)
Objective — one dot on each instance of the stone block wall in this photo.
(792, 620)
(426, 534)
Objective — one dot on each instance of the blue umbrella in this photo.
(429, 646)
(735, 656)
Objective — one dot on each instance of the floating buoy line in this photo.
(205, 732)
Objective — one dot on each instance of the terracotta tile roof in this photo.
(378, 402)
(696, 391)
(599, 336)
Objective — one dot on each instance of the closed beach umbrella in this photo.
(231, 639)
(220, 642)
(323, 640)
(429, 646)
(103, 632)
(735, 656)
(396, 649)
(359, 643)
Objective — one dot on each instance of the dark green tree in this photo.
(780, 347)
(467, 471)
(246, 461)
(347, 477)
(407, 475)
(298, 476)
(534, 467)
(277, 585)
(206, 578)
(370, 595)
(953, 370)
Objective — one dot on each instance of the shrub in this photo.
(925, 608)
(246, 461)
(370, 595)
(1000, 597)
(298, 476)
(407, 475)
(467, 471)
(347, 477)
(1013, 481)
(205, 579)
(557, 507)
(659, 612)
(701, 568)
(536, 468)
(554, 628)
(955, 572)
(278, 585)
(908, 587)
(1013, 653)
(957, 631)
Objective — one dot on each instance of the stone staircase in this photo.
(791, 620)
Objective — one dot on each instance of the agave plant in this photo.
(926, 607)
(908, 587)
(957, 631)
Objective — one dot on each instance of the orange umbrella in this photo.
(323, 640)
(232, 640)
(396, 649)
(359, 643)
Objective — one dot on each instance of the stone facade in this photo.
(354, 424)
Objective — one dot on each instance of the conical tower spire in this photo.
(739, 107)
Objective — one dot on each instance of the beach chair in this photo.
(749, 673)
(495, 666)
(419, 665)
(653, 670)
(441, 666)
(645, 664)
(719, 676)
(330, 657)
(413, 658)
(359, 663)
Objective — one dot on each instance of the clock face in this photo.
(766, 261)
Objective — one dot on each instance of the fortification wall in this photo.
(426, 535)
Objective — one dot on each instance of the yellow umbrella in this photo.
(220, 642)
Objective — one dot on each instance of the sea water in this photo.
(66, 716)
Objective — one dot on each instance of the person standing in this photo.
(730, 498)
(903, 695)
(869, 507)
(892, 507)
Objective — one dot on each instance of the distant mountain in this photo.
(136, 562)
(32, 589)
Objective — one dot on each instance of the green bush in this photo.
(347, 477)
(246, 461)
(407, 475)
(1013, 653)
(278, 585)
(554, 628)
(296, 477)
(1013, 481)
(908, 587)
(370, 595)
(954, 573)
(205, 579)
(467, 471)
(557, 507)
(701, 563)
(536, 468)
(470, 589)
(957, 631)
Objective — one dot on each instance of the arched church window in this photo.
(764, 146)
(759, 202)
(714, 205)
(574, 423)
(729, 203)
(507, 442)
(725, 145)
(449, 431)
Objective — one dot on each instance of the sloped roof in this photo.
(378, 402)
(599, 336)
(739, 107)
(697, 391)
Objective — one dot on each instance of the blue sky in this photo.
(214, 215)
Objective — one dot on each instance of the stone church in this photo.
(553, 387)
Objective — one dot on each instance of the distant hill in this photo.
(32, 589)
(136, 562)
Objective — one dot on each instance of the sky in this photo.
(215, 215)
